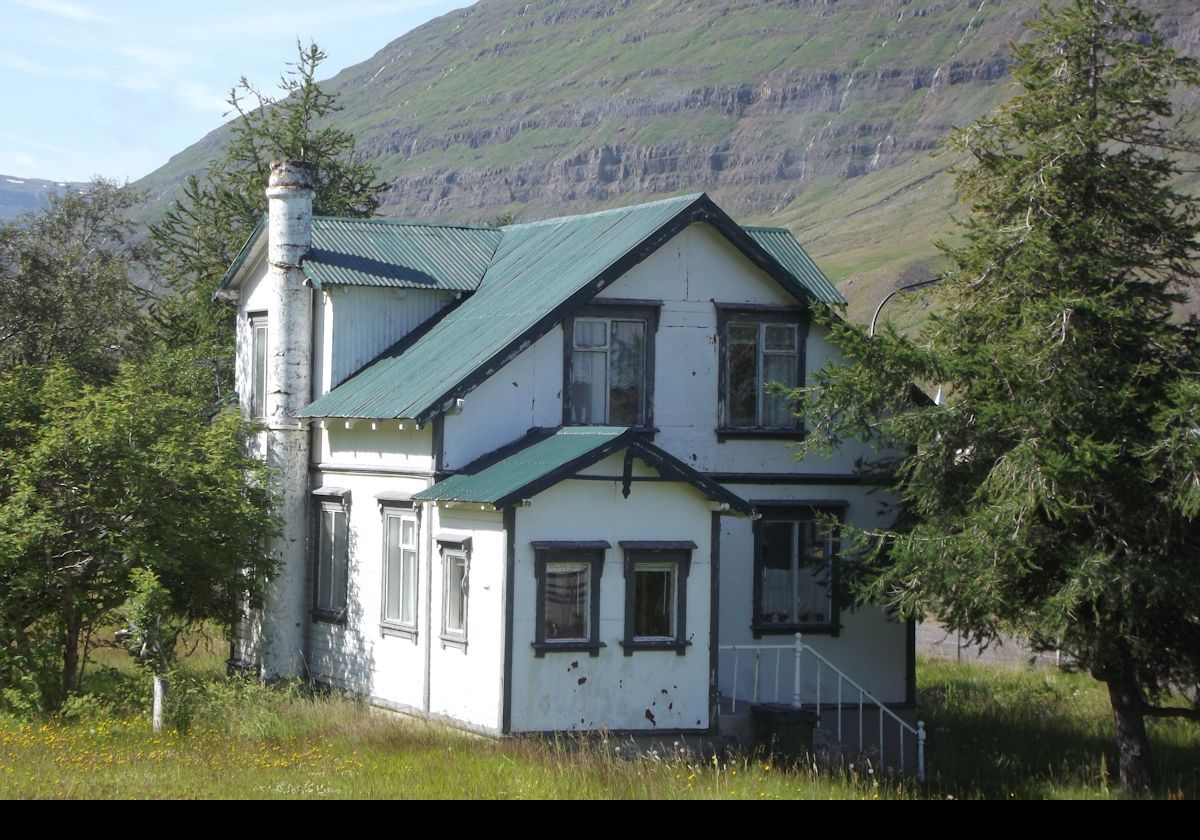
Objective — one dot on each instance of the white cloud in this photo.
(201, 98)
(60, 8)
(24, 65)
(156, 57)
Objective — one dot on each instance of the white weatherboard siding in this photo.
(651, 690)
(525, 393)
(366, 321)
(466, 682)
(357, 654)
(694, 269)
(567, 690)
(870, 648)
(697, 269)
(384, 448)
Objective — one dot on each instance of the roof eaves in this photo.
(236, 266)
(667, 463)
(755, 252)
(690, 213)
(607, 444)
(399, 347)
(567, 468)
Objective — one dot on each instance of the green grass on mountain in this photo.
(816, 116)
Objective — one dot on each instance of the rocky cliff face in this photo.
(818, 115)
(572, 105)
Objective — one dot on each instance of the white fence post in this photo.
(921, 751)
(796, 676)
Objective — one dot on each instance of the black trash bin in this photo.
(783, 730)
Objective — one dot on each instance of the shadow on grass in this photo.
(1006, 733)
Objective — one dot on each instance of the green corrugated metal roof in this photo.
(782, 245)
(538, 274)
(544, 458)
(380, 252)
(536, 271)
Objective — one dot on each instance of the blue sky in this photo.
(115, 88)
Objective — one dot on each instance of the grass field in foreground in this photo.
(995, 733)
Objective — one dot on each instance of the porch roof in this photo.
(545, 457)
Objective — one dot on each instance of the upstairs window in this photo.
(258, 366)
(608, 366)
(759, 347)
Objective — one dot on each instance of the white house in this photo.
(531, 478)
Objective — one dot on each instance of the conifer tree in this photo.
(201, 234)
(1055, 494)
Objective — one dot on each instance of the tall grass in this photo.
(993, 733)
(1007, 732)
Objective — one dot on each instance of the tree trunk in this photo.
(72, 628)
(161, 686)
(1133, 747)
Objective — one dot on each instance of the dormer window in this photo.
(608, 366)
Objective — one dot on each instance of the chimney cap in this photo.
(297, 174)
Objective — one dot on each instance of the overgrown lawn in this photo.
(995, 733)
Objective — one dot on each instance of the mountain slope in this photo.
(818, 115)
(19, 196)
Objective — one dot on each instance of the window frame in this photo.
(616, 310)
(676, 553)
(452, 549)
(761, 316)
(592, 553)
(257, 403)
(403, 511)
(335, 501)
(808, 513)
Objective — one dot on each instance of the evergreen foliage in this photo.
(1056, 492)
(101, 480)
(65, 291)
(200, 235)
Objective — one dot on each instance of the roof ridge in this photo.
(374, 220)
(686, 198)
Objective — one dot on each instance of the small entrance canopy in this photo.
(546, 456)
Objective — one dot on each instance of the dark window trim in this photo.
(760, 314)
(336, 499)
(725, 433)
(621, 309)
(798, 511)
(590, 552)
(638, 551)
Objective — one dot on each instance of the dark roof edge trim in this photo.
(701, 210)
(236, 266)
(660, 460)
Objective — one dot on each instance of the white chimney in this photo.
(289, 377)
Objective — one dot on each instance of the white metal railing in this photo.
(798, 648)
